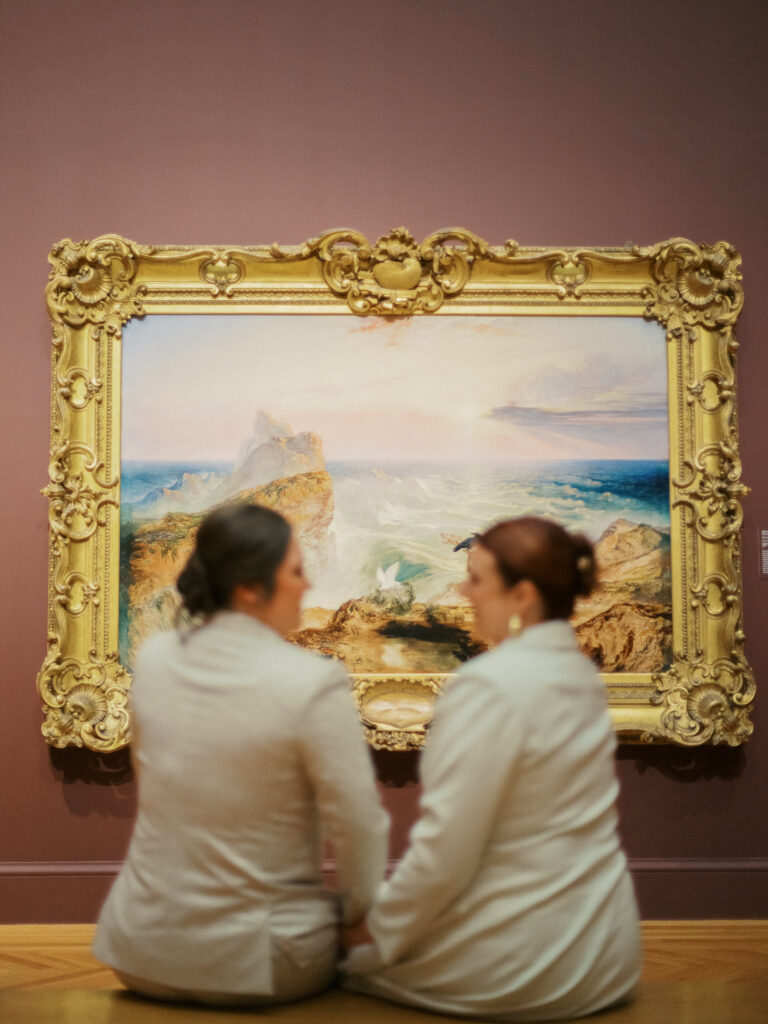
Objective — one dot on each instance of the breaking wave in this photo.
(414, 513)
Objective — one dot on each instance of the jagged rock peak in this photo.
(272, 452)
(265, 428)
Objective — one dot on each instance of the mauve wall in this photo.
(250, 122)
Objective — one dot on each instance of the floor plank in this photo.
(47, 956)
(698, 972)
(691, 950)
(705, 1002)
(51, 956)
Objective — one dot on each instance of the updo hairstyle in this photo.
(235, 544)
(560, 565)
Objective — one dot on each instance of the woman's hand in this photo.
(356, 934)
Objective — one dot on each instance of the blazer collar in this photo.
(239, 623)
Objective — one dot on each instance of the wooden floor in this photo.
(696, 972)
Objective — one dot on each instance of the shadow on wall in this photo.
(685, 764)
(396, 769)
(682, 764)
(94, 783)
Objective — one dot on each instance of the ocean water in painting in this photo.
(412, 513)
(401, 520)
(141, 481)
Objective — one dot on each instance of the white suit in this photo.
(248, 751)
(513, 901)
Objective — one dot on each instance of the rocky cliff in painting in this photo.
(159, 549)
(271, 452)
(372, 634)
(625, 626)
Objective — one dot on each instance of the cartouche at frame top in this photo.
(392, 398)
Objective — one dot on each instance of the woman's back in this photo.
(561, 756)
(219, 719)
(246, 750)
(513, 901)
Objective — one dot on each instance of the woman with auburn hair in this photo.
(248, 752)
(513, 901)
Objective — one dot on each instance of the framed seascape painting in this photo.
(392, 399)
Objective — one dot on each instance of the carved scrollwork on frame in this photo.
(78, 499)
(92, 292)
(85, 703)
(712, 490)
(703, 703)
(396, 709)
(693, 291)
(698, 296)
(569, 274)
(222, 271)
(78, 388)
(92, 283)
(694, 285)
(395, 276)
(716, 594)
(711, 390)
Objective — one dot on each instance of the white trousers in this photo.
(290, 981)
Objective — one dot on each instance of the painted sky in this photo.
(434, 388)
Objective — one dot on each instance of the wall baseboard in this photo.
(640, 865)
(688, 887)
(667, 888)
(637, 865)
(53, 868)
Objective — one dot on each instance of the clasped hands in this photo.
(355, 934)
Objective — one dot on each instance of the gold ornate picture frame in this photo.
(703, 692)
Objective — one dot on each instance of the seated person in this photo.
(247, 750)
(513, 901)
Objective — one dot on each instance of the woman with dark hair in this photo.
(248, 752)
(513, 901)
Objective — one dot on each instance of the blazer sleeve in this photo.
(339, 766)
(466, 769)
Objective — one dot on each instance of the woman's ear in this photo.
(247, 598)
(529, 604)
(526, 591)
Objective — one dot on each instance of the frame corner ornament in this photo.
(694, 285)
(85, 705)
(93, 283)
(705, 704)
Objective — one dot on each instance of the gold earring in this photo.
(515, 626)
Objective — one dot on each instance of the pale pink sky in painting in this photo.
(439, 388)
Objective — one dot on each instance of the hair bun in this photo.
(561, 565)
(194, 586)
(235, 543)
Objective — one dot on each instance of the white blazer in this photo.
(248, 752)
(513, 901)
